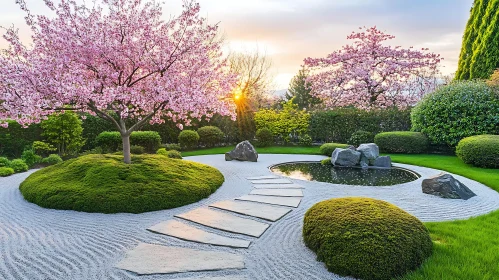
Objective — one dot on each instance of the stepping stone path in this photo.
(157, 259)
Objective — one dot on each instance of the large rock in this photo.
(383, 162)
(244, 151)
(446, 186)
(345, 157)
(369, 151)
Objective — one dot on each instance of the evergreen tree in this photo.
(64, 131)
(299, 91)
(480, 50)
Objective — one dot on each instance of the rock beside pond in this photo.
(446, 186)
(383, 162)
(345, 157)
(369, 151)
(243, 151)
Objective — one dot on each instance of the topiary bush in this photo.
(366, 238)
(480, 150)
(109, 141)
(137, 150)
(30, 157)
(456, 111)
(52, 159)
(174, 154)
(264, 137)
(361, 137)
(18, 165)
(6, 171)
(305, 140)
(406, 142)
(4, 162)
(150, 140)
(209, 136)
(188, 139)
(328, 148)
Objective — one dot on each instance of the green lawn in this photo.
(265, 150)
(463, 249)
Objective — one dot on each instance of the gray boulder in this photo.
(243, 151)
(383, 162)
(345, 157)
(370, 151)
(446, 186)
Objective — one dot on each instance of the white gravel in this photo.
(38, 243)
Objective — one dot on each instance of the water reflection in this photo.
(314, 171)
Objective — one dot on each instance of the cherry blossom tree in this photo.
(368, 74)
(117, 59)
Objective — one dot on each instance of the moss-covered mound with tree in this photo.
(366, 238)
(104, 184)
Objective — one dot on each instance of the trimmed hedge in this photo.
(188, 139)
(52, 159)
(361, 137)
(456, 111)
(366, 238)
(264, 137)
(6, 171)
(18, 165)
(406, 142)
(209, 136)
(480, 150)
(170, 147)
(150, 140)
(174, 154)
(109, 141)
(328, 148)
(137, 150)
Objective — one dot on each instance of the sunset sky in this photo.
(291, 30)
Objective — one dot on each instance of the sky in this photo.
(291, 30)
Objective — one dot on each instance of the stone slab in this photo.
(278, 192)
(156, 259)
(258, 210)
(263, 177)
(272, 181)
(278, 186)
(190, 233)
(275, 200)
(225, 221)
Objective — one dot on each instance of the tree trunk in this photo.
(125, 137)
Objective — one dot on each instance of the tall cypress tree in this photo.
(478, 57)
(299, 91)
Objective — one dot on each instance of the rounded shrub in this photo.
(366, 238)
(480, 150)
(188, 139)
(162, 151)
(172, 146)
(4, 162)
(210, 136)
(406, 142)
(326, 161)
(361, 137)
(109, 141)
(264, 137)
(150, 140)
(305, 140)
(137, 150)
(52, 159)
(328, 148)
(6, 171)
(456, 111)
(18, 165)
(174, 154)
(30, 157)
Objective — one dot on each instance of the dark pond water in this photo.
(315, 171)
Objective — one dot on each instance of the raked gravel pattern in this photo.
(37, 243)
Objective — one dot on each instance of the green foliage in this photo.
(109, 141)
(299, 91)
(264, 137)
(18, 165)
(188, 139)
(15, 139)
(338, 125)
(480, 51)
(480, 150)
(137, 150)
(92, 127)
(6, 171)
(104, 184)
(401, 142)
(64, 131)
(361, 137)
(328, 148)
(150, 140)
(42, 149)
(4, 162)
(162, 151)
(326, 161)
(52, 159)
(30, 157)
(288, 123)
(305, 140)
(456, 111)
(366, 238)
(170, 147)
(174, 154)
(209, 136)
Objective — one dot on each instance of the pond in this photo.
(315, 171)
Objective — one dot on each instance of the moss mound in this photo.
(480, 150)
(366, 238)
(104, 184)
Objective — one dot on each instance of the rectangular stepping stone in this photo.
(272, 181)
(278, 192)
(156, 259)
(266, 212)
(263, 177)
(225, 221)
(278, 186)
(275, 200)
(190, 233)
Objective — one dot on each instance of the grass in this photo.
(260, 150)
(467, 249)
(104, 184)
